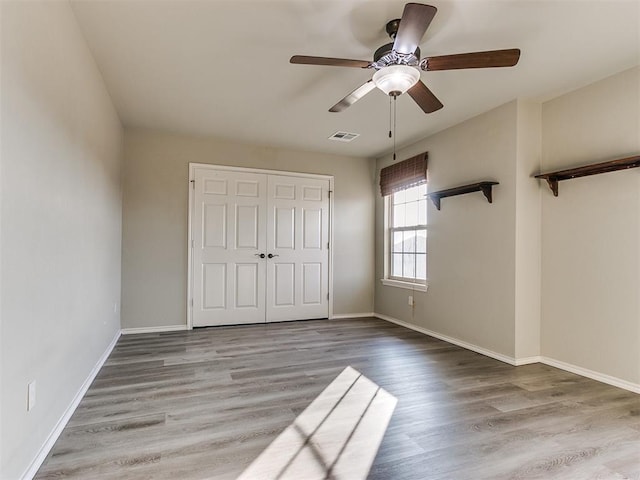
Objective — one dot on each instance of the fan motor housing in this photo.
(387, 51)
(385, 56)
(382, 51)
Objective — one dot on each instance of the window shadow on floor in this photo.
(336, 437)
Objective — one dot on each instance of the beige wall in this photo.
(591, 231)
(528, 231)
(471, 243)
(60, 227)
(156, 180)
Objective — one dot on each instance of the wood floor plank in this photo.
(204, 404)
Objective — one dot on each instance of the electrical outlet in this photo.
(410, 300)
(31, 395)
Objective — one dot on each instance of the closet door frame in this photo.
(190, 239)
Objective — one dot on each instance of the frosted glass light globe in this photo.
(396, 79)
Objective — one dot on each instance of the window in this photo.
(404, 187)
(407, 231)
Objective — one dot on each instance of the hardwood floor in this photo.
(204, 404)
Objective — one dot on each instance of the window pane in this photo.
(396, 265)
(399, 197)
(422, 212)
(412, 194)
(421, 267)
(398, 216)
(408, 247)
(411, 214)
(397, 242)
(421, 241)
(409, 242)
(409, 270)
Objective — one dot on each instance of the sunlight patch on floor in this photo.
(336, 437)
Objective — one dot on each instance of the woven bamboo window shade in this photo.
(405, 174)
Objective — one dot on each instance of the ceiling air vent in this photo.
(343, 136)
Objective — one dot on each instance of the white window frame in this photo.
(388, 280)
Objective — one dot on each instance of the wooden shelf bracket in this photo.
(553, 178)
(484, 187)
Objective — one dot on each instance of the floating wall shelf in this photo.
(553, 178)
(484, 187)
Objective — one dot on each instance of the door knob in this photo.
(261, 255)
(271, 255)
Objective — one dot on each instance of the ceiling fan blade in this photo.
(492, 58)
(335, 62)
(425, 98)
(414, 22)
(353, 97)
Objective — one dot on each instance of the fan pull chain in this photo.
(395, 98)
(389, 116)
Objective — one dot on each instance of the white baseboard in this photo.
(455, 341)
(337, 316)
(585, 372)
(166, 328)
(64, 419)
(528, 360)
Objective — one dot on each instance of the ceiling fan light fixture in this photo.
(396, 79)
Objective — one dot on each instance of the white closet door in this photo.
(229, 225)
(297, 248)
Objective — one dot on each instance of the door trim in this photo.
(192, 167)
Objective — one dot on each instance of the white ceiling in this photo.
(221, 67)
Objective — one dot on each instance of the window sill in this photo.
(417, 287)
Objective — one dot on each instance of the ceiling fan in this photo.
(398, 64)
